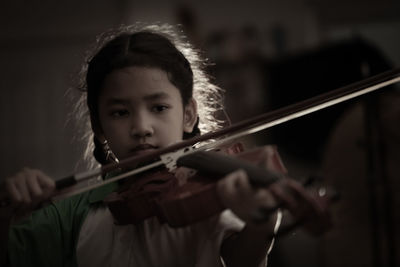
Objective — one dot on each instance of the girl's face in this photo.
(140, 110)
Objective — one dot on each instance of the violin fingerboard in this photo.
(217, 164)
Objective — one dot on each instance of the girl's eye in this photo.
(159, 108)
(119, 113)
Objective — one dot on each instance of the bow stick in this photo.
(168, 156)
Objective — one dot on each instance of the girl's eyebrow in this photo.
(116, 100)
(150, 97)
(156, 96)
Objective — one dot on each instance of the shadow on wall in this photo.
(356, 146)
(303, 76)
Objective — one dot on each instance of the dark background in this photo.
(268, 54)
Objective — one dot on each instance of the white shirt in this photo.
(102, 243)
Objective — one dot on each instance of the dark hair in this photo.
(157, 45)
(144, 49)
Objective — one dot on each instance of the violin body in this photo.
(187, 195)
(137, 201)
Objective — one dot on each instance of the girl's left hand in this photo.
(245, 201)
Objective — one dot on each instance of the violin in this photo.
(171, 203)
(178, 198)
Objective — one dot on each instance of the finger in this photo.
(267, 206)
(241, 182)
(265, 199)
(44, 180)
(283, 196)
(22, 187)
(311, 200)
(34, 188)
(237, 194)
(275, 162)
(48, 185)
(313, 210)
(12, 190)
(236, 184)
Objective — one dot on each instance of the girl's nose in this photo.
(141, 127)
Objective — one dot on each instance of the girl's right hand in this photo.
(26, 190)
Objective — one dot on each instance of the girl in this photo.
(145, 90)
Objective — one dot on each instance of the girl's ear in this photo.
(189, 116)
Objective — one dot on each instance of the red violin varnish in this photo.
(185, 197)
(168, 196)
(137, 201)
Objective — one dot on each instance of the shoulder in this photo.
(49, 234)
(56, 212)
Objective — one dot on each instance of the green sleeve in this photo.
(49, 236)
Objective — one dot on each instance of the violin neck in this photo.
(216, 164)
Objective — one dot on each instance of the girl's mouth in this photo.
(142, 149)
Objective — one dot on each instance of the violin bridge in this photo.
(170, 159)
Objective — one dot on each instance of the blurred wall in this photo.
(42, 46)
(43, 43)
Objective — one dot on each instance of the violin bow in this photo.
(168, 156)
